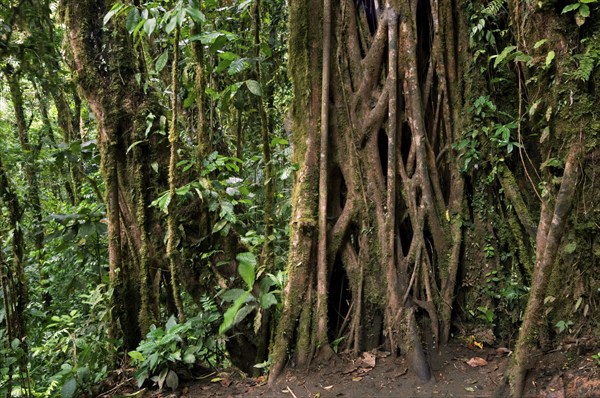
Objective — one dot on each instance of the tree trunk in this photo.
(388, 187)
(105, 70)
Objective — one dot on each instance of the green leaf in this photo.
(588, 1)
(254, 87)
(196, 14)
(267, 300)
(549, 58)
(219, 225)
(171, 25)
(133, 18)
(189, 358)
(539, 43)
(68, 389)
(584, 10)
(113, 11)
(208, 38)
(149, 26)
(230, 295)
(570, 248)
(136, 356)
(246, 268)
(133, 146)
(570, 7)
(230, 314)
(171, 323)
(161, 62)
(237, 66)
(502, 56)
(172, 380)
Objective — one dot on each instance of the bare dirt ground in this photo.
(458, 371)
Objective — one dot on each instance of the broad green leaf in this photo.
(133, 18)
(210, 37)
(254, 87)
(149, 26)
(584, 11)
(502, 56)
(228, 55)
(172, 380)
(570, 7)
(219, 225)
(196, 14)
(230, 314)
(246, 268)
(244, 312)
(230, 295)
(161, 62)
(171, 323)
(588, 1)
(267, 300)
(86, 229)
(68, 389)
(171, 25)
(539, 43)
(136, 356)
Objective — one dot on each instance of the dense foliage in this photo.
(148, 163)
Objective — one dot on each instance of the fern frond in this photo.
(493, 8)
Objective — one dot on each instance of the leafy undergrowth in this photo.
(573, 370)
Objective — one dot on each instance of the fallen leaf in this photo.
(328, 387)
(225, 382)
(503, 351)
(477, 361)
(368, 359)
(470, 389)
(349, 369)
(401, 372)
(357, 378)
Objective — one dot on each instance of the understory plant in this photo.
(171, 351)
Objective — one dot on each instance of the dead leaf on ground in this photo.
(349, 369)
(328, 387)
(401, 372)
(368, 360)
(357, 378)
(477, 361)
(503, 351)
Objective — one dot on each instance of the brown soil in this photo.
(458, 372)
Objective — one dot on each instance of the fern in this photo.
(493, 8)
(53, 386)
(586, 63)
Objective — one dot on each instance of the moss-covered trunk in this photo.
(105, 71)
(560, 82)
(393, 186)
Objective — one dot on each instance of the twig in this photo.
(290, 391)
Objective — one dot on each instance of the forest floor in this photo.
(458, 371)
